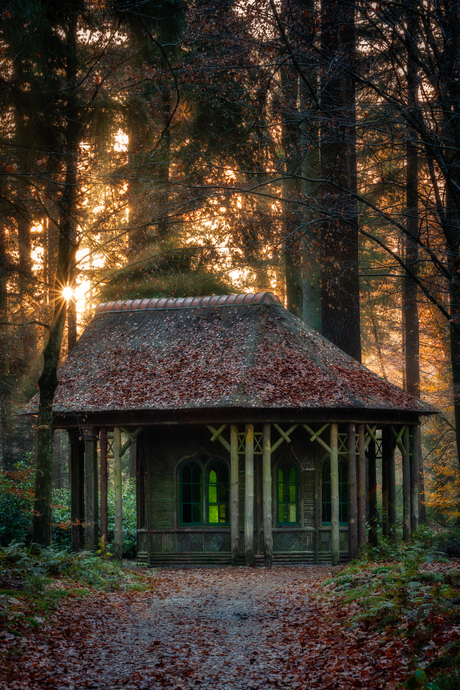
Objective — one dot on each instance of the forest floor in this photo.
(219, 628)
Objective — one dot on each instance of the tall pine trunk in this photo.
(67, 248)
(410, 293)
(339, 229)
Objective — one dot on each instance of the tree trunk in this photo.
(67, 248)
(339, 229)
(410, 306)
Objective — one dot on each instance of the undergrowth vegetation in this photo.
(410, 592)
(33, 579)
(16, 506)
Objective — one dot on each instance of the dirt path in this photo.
(226, 628)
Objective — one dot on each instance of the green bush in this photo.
(16, 506)
(16, 502)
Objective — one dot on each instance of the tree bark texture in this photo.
(234, 494)
(77, 492)
(339, 229)
(267, 495)
(352, 493)
(91, 490)
(249, 496)
(406, 484)
(67, 248)
(118, 485)
(104, 484)
(361, 486)
(335, 534)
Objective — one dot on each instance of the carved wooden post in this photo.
(77, 490)
(335, 494)
(385, 467)
(361, 486)
(391, 487)
(371, 457)
(91, 490)
(118, 540)
(104, 477)
(234, 494)
(317, 506)
(267, 495)
(249, 496)
(414, 479)
(352, 493)
(406, 484)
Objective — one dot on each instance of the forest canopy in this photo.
(165, 147)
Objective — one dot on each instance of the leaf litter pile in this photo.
(210, 628)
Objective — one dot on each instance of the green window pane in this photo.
(187, 474)
(191, 494)
(281, 496)
(223, 512)
(287, 494)
(196, 513)
(218, 492)
(196, 473)
(186, 513)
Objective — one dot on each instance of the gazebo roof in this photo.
(225, 353)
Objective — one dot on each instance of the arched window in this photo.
(287, 494)
(218, 494)
(191, 494)
(326, 492)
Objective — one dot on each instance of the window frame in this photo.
(188, 463)
(220, 463)
(205, 469)
(280, 523)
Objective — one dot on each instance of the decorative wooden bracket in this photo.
(398, 437)
(131, 438)
(371, 434)
(285, 436)
(217, 434)
(315, 436)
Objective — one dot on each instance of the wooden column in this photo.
(385, 450)
(352, 493)
(104, 481)
(267, 495)
(421, 477)
(91, 490)
(334, 494)
(118, 540)
(361, 486)
(234, 494)
(391, 487)
(406, 484)
(414, 479)
(249, 496)
(319, 452)
(372, 469)
(77, 489)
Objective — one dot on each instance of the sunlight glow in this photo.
(67, 293)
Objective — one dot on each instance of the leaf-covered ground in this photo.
(206, 628)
